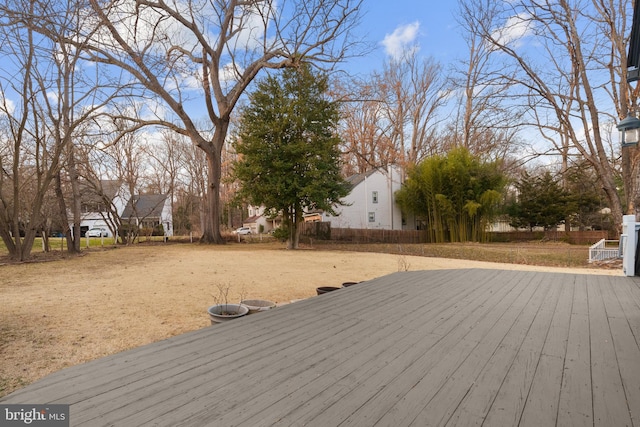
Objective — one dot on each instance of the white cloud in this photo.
(253, 22)
(53, 96)
(147, 28)
(7, 106)
(230, 74)
(156, 33)
(402, 41)
(514, 30)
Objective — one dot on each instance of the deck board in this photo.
(449, 347)
(541, 407)
(609, 400)
(510, 368)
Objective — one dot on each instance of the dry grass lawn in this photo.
(61, 313)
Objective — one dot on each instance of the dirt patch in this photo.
(61, 313)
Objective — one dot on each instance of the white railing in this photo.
(605, 249)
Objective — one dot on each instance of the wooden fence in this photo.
(573, 237)
(324, 231)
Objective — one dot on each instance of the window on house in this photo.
(374, 197)
(372, 217)
(93, 207)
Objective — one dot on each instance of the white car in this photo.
(97, 232)
(243, 230)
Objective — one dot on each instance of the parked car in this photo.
(97, 232)
(243, 230)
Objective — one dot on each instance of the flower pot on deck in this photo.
(347, 284)
(224, 312)
(324, 289)
(257, 305)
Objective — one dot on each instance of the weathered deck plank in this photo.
(390, 314)
(511, 368)
(575, 404)
(542, 403)
(450, 347)
(498, 347)
(402, 396)
(609, 401)
(626, 336)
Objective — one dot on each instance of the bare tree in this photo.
(190, 185)
(164, 160)
(217, 48)
(487, 123)
(413, 89)
(391, 117)
(564, 81)
(364, 128)
(116, 158)
(33, 157)
(71, 93)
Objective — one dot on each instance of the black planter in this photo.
(347, 284)
(324, 289)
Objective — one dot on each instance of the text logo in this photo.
(34, 415)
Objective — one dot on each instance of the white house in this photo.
(142, 210)
(94, 211)
(150, 211)
(259, 222)
(371, 202)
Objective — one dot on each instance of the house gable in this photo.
(150, 210)
(371, 202)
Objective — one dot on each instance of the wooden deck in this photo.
(448, 347)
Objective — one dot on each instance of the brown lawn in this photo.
(61, 313)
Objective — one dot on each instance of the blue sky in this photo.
(429, 25)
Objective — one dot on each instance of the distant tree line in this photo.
(138, 92)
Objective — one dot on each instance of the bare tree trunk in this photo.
(293, 218)
(213, 150)
(75, 200)
(62, 206)
(211, 232)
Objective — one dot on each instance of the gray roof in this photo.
(356, 179)
(146, 206)
(91, 192)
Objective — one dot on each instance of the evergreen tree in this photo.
(289, 160)
(540, 202)
(586, 198)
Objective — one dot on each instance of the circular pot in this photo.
(224, 312)
(347, 284)
(256, 305)
(324, 289)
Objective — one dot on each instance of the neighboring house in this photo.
(143, 210)
(149, 211)
(258, 221)
(94, 211)
(370, 204)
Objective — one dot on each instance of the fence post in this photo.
(629, 256)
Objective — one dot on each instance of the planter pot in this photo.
(224, 312)
(347, 284)
(256, 305)
(324, 289)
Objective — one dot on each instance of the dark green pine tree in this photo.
(289, 160)
(541, 202)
